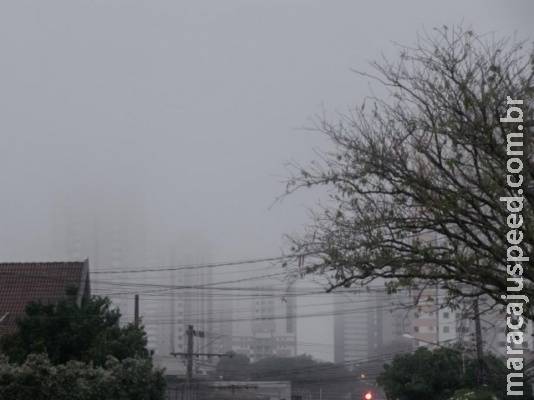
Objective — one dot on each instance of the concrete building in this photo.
(229, 390)
(178, 294)
(129, 256)
(369, 323)
(264, 325)
(433, 323)
(493, 328)
(110, 231)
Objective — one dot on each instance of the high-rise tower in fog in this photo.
(370, 323)
(264, 322)
(109, 229)
(130, 255)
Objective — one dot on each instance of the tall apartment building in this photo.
(493, 328)
(369, 323)
(263, 324)
(109, 230)
(432, 322)
(129, 257)
(181, 294)
(437, 325)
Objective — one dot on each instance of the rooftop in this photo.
(46, 281)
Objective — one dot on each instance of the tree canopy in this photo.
(67, 330)
(71, 350)
(415, 177)
(38, 379)
(439, 374)
(233, 367)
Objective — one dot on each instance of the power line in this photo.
(192, 266)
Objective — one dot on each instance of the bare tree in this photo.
(415, 178)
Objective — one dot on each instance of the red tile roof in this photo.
(22, 282)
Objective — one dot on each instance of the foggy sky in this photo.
(191, 107)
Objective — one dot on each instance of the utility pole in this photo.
(437, 313)
(189, 354)
(190, 332)
(136, 312)
(173, 306)
(481, 372)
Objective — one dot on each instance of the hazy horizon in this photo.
(185, 113)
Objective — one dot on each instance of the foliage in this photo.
(66, 330)
(474, 394)
(233, 367)
(38, 379)
(423, 374)
(438, 374)
(415, 178)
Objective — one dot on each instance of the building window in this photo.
(446, 315)
(416, 329)
(446, 329)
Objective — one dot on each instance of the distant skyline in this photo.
(192, 108)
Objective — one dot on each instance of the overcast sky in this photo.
(192, 107)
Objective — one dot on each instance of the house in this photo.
(228, 390)
(45, 281)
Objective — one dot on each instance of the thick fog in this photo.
(182, 114)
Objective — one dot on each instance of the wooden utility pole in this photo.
(437, 313)
(189, 354)
(190, 333)
(481, 371)
(136, 310)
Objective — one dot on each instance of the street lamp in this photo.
(407, 335)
